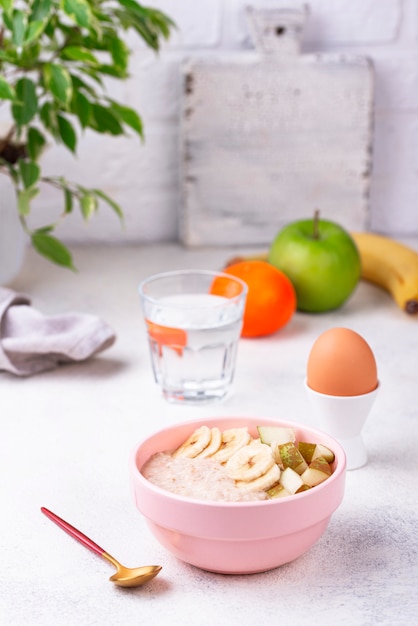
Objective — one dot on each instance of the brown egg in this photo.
(341, 363)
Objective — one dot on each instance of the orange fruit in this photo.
(271, 298)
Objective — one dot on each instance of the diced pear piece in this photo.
(311, 451)
(276, 456)
(307, 450)
(291, 480)
(277, 491)
(318, 471)
(303, 488)
(275, 435)
(325, 452)
(291, 457)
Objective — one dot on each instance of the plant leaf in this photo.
(161, 21)
(78, 83)
(81, 107)
(48, 116)
(120, 52)
(27, 105)
(115, 206)
(91, 73)
(40, 10)
(79, 11)
(113, 70)
(46, 229)
(18, 27)
(24, 197)
(129, 116)
(10, 56)
(88, 205)
(105, 121)
(53, 249)
(29, 173)
(36, 143)
(7, 92)
(148, 22)
(77, 53)
(8, 18)
(132, 6)
(147, 34)
(33, 31)
(67, 132)
(58, 81)
(30, 54)
(7, 5)
(68, 200)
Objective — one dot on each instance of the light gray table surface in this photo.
(66, 436)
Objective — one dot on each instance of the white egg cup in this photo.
(343, 417)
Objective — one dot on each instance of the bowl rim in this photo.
(339, 468)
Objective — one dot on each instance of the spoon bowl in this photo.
(124, 576)
(131, 576)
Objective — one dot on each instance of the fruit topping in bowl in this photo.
(232, 465)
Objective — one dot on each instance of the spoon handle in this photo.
(77, 534)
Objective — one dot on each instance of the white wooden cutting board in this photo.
(267, 138)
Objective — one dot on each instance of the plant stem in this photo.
(315, 233)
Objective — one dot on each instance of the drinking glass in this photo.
(194, 320)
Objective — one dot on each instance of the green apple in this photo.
(321, 259)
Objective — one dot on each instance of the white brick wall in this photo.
(145, 178)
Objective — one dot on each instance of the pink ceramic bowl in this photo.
(236, 537)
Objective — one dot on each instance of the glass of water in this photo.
(194, 320)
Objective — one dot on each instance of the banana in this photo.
(250, 462)
(262, 483)
(195, 444)
(392, 266)
(214, 445)
(385, 262)
(232, 440)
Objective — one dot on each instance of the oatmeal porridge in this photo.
(200, 479)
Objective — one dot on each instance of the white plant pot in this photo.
(12, 236)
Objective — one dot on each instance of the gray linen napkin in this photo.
(31, 343)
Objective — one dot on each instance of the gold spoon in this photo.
(125, 576)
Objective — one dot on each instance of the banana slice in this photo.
(214, 445)
(195, 444)
(232, 440)
(250, 462)
(262, 483)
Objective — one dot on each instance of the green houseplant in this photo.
(56, 60)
